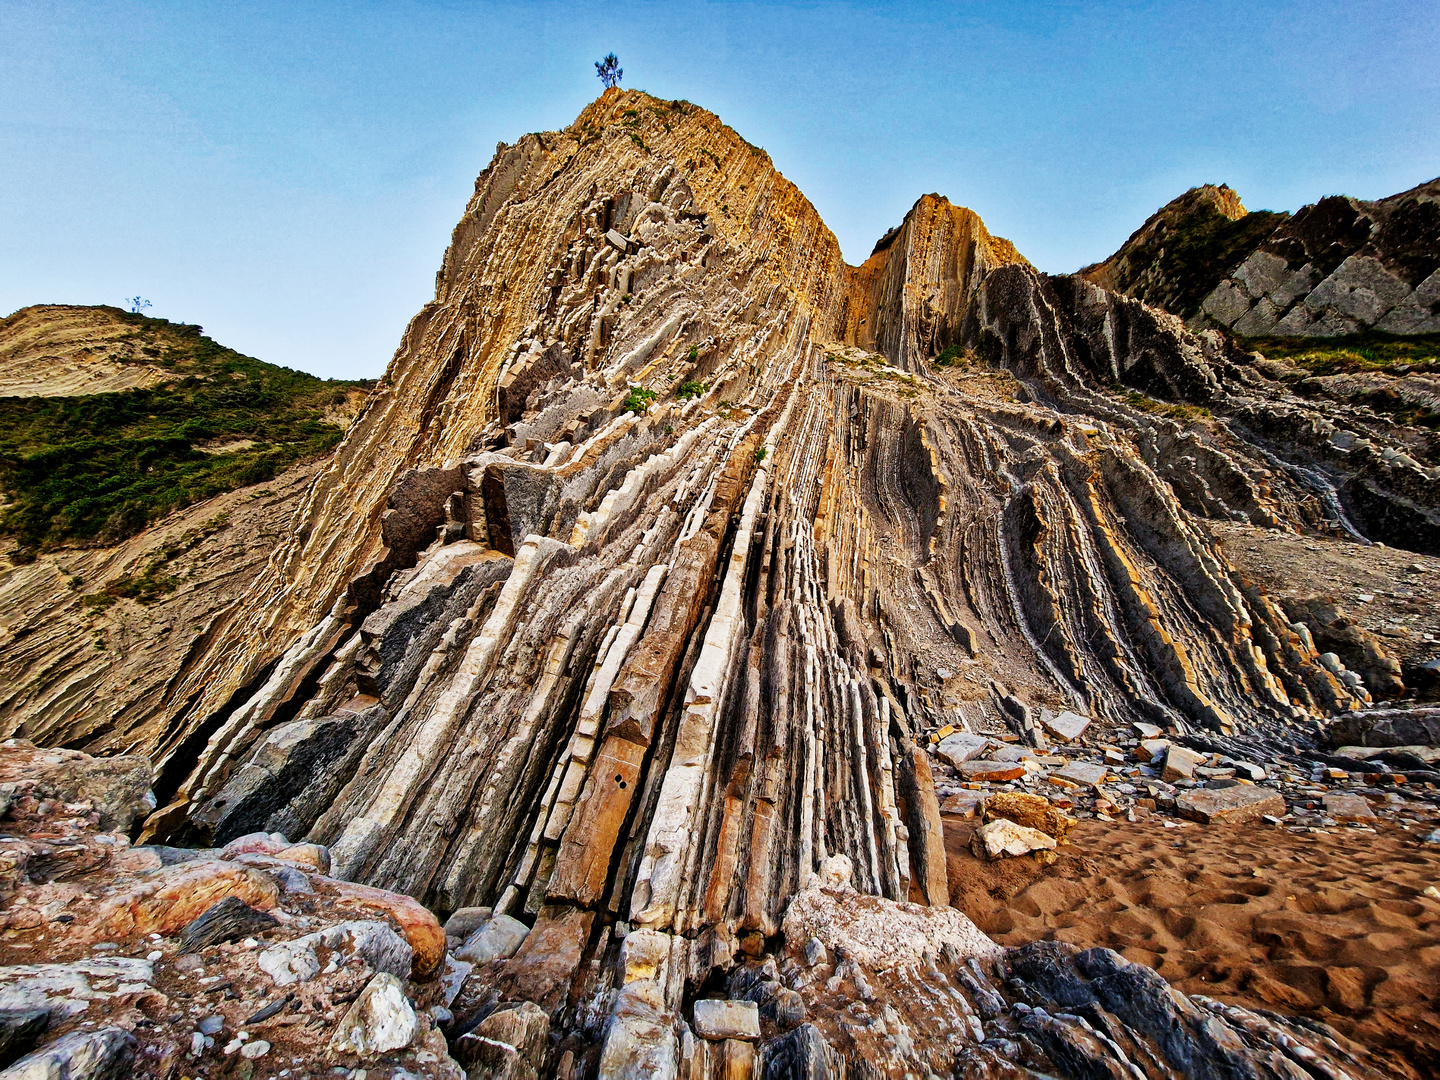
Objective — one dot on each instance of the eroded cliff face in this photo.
(634, 594)
(1338, 267)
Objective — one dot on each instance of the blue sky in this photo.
(288, 174)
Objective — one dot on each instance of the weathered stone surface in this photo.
(379, 1020)
(994, 772)
(419, 926)
(881, 933)
(165, 901)
(1084, 773)
(1348, 808)
(1067, 726)
(67, 989)
(961, 747)
(1031, 811)
(300, 959)
(1003, 838)
(496, 939)
(118, 788)
(1231, 805)
(1181, 763)
(105, 1053)
(718, 1020)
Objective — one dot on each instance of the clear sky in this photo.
(288, 174)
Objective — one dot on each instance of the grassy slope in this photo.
(99, 468)
(1199, 252)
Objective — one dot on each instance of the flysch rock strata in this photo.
(633, 602)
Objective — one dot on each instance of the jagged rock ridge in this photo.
(630, 599)
(1338, 267)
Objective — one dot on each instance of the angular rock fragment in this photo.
(224, 921)
(1031, 811)
(719, 1020)
(1231, 805)
(1180, 763)
(1003, 838)
(1084, 773)
(1348, 808)
(995, 772)
(497, 938)
(1066, 726)
(380, 1019)
(104, 1053)
(961, 747)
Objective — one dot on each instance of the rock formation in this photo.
(629, 605)
(1340, 266)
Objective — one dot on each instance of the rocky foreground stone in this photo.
(249, 961)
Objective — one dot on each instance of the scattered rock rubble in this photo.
(1129, 773)
(257, 964)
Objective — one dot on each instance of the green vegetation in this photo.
(1186, 413)
(1373, 351)
(99, 468)
(153, 582)
(638, 399)
(955, 356)
(1195, 254)
(760, 454)
(691, 389)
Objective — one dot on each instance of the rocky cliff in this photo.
(1339, 267)
(630, 604)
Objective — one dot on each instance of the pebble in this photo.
(258, 1048)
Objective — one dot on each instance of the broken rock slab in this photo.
(103, 1054)
(1003, 838)
(298, 960)
(992, 772)
(1032, 811)
(1348, 808)
(499, 938)
(381, 1019)
(1084, 773)
(1152, 749)
(1181, 763)
(961, 747)
(965, 804)
(719, 1020)
(1230, 806)
(1067, 726)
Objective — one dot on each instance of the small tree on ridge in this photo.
(609, 70)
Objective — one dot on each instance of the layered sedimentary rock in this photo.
(628, 602)
(1340, 266)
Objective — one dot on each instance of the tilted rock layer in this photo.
(1340, 266)
(630, 597)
